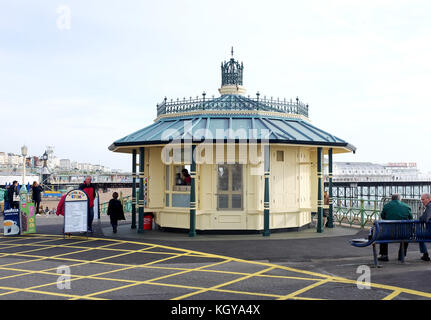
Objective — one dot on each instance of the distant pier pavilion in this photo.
(255, 164)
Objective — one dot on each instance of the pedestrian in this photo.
(60, 206)
(90, 190)
(6, 198)
(115, 211)
(13, 195)
(326, 210)
(425, 217)
(394, 210)
(36, 195)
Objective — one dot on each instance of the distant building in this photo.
(3, 159)
(368, 171)
(65, 164)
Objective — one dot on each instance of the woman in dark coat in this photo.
(115, 211)
(36, 195)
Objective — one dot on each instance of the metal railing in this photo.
(363, 212)
(263, 104)
(126, 201)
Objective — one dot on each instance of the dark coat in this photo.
(10, 192)
(396, 210)
(36, 193)
(426, 215)
(115, 210)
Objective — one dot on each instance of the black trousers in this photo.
(384, 249)
(37, 205)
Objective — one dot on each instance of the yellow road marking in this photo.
(326, 278)
(298, 292)
(222, 284)
(392, 295)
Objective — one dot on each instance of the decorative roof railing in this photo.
(232, 102)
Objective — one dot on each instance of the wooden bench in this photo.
(395, 231)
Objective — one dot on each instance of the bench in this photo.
(395, 231)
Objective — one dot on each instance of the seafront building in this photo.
(256, 164)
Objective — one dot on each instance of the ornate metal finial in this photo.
(231, 72)
(231, 51)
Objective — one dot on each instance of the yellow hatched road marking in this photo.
(151, 281)
(392, 295)
(323, 277)
(223, 284)
(44, 292)
(77, 278)
(298, 292)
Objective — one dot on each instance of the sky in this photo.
(78, 75)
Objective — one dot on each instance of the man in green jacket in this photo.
(394, 210)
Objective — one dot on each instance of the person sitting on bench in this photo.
(425, 217)
(394, 210)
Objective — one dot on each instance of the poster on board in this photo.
(96, 206)
(28, 218)
(75, 211)
(11, 223)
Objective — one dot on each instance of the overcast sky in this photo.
(364, 68)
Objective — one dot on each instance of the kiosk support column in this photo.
(319, 191)
(192, 231)
(330, 216)
(266, 231)
(134, 189)
(141, 190)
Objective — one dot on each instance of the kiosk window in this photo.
(230, 185)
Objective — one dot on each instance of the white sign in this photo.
(96, 206)
(75, 216)
(75, 211)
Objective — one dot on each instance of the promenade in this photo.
(301, 265)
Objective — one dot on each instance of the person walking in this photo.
(394, 210)
(13, 195)
(425, 217)
(36, 195)
(6, 198)
(90, 190)
(115, 211)
(326, 210)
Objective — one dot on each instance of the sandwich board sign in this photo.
(75, 211)
(11, 222)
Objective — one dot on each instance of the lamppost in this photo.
(45, 171)
(23, 189)
(24, 154)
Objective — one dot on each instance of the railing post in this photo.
(141, 190)
(319, 191)
(362, 214)
(330, 216)
(192, 230)
(266, 221)
(134, 189)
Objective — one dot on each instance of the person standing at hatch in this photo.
(90, 190)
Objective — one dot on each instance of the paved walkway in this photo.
(160, 265)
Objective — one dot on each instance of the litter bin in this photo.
(148, 221)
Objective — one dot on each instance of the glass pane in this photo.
(236, 201)
(223, 201)
(167, 177)
(280, 155)
(223, 178)
(236, 177)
